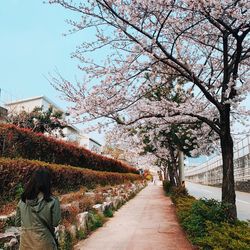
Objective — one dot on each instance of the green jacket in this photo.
(34, 217)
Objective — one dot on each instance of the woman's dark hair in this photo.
(40, 181)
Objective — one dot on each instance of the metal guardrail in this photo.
(210, 172)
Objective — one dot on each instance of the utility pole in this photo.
(181, 167)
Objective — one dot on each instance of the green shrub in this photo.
(10, 222)
(167, 186)
(108, 213)
(212, 210)
(67, 242)
(225, 236)
(19, 191)
(80, 235)
(179, 191)
(96, 220)
(203, 210)
(184, 205)
(208, 226)
(173, 191)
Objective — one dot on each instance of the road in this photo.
(202, 191)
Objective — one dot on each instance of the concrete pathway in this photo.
(147, 222)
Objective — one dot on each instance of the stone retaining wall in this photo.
(114, 198)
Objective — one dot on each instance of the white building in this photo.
(3, 114)
(29, 104)
(89, 143)
(70, 132)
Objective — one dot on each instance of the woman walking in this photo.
(38, 213)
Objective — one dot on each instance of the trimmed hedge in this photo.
(17, 142)
(16, 172)
(207, 225)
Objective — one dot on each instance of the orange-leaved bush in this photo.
(64, 178)
(16, 142)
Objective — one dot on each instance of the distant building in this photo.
(71, 133)
(3, 114)
(91, 144)
(29, 104)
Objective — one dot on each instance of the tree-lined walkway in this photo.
(147, 222)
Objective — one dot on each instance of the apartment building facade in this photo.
(71, 132)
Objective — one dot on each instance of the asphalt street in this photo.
(202, 191)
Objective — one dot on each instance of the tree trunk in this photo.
(177, 175)
(165, 173)
(228, 189)
(173, 174)
(181, 167)
(173, 169)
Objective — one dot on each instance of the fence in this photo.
(210, 172)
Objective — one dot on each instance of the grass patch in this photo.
(80, 234)
(67, 242)
(96, 220)
(108, 213)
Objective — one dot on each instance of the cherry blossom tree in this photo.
(131, 145)
(159, 143)
(163, 140)
(206, 42)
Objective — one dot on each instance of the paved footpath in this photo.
(147, 222)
